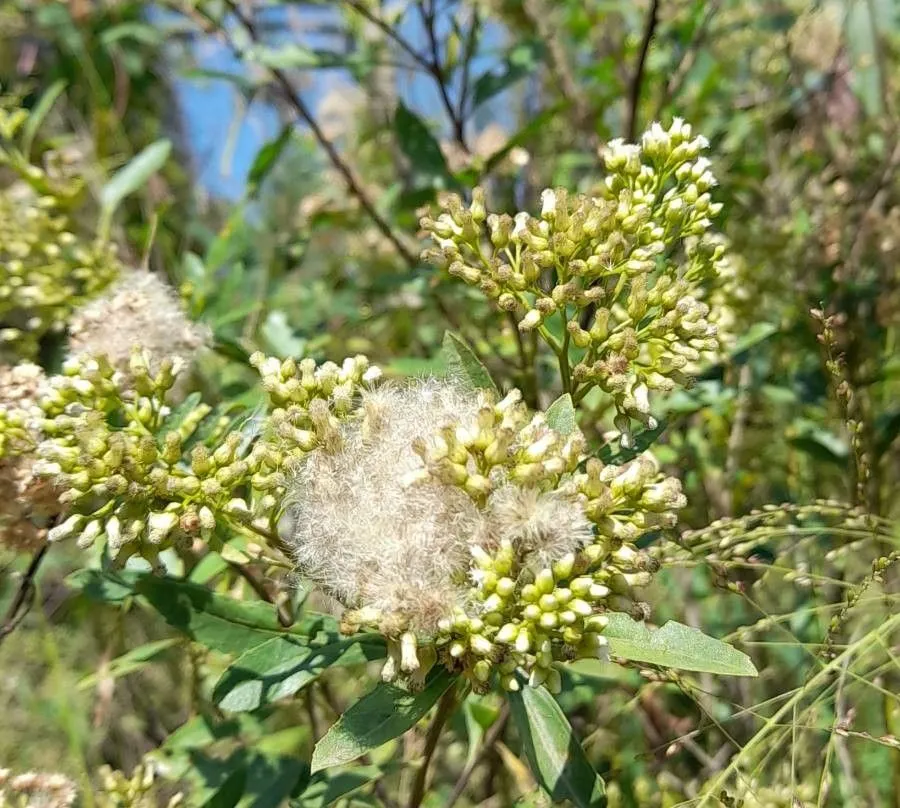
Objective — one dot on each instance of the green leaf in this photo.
(674, 646)
(285, 57)
(40, 111)
(419, 145)
(230, 792)
(247, 778)
(137, 31)
(129, 662)
(134, 175)
(103, 587)
(273, 779)
(561, 415)
(326, 788)
(283, 665)
(378, 717)
(522, 60)
(464, 366)
(757, 333)
(549, 744)
(202, 731)
(215, 621)
(280, 338)
(266, 158)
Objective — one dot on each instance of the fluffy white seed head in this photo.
(369, 537)
(138, 310)
(542, 526)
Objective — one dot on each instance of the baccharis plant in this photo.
(615, 281)
(51, 265)
(476, 535)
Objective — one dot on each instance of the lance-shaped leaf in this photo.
(553, 752)
(674, 646)
(326, 788)
(283, 665)
(420, 146)
(134, 175)
(464, 366)
(378, 717)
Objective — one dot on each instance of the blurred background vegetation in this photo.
(306, 140)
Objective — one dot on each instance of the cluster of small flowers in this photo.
(306, 402)
(116, 454)
(548, 567)
(110, 452)
(36, 789)
(137, 791)
(29, 501)
(85, 442)
(624, 270)
(461, 529)
(50, 268)
(503, 441)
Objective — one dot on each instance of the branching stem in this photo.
(445, 709)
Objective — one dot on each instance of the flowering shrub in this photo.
(622, 271)
(467, 540)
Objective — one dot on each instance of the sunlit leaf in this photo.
(134, 175)
(378, 717)
(130, 662)
(674, 646)
(39, 113)
(553, 752)
(281, 666)
(463, 366)
(266, 159)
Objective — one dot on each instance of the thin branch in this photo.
(314, 725)
(428, 21)
(637, 81)
(490, 738)
(468, 54)
(445, 709)
(391, 33)
(305, 114)
(23, 600)
(736, 437)
(528, 380)
(430, 63)
(266, 591)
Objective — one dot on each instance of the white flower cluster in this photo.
(462, 529)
